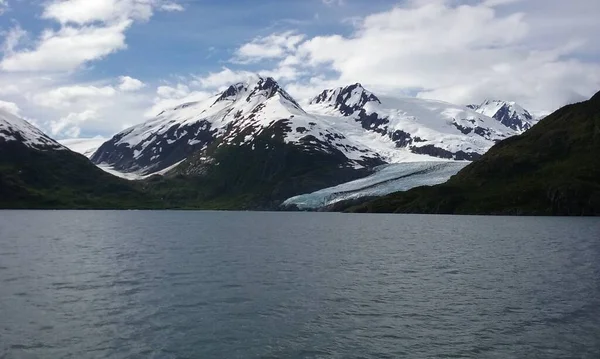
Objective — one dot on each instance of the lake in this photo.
(135, 284)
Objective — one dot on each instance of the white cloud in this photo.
(3, 6)
(171, 6)
(172, 96)
(217, 80)
(90, 30)
(69, 96)
(537, 52)
(493, 3)
(12, 39)
(68, 48)
(83, 12)
(334, 2)
(270, 47)
(69, 125)
(10, 107)
(130, 84)
(460, 54)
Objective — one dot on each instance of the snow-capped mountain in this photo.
(510, 114)
(235, 117)
(350, 124)
(427, 127)
(16, 129)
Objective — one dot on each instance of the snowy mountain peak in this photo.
(255, 87)
(347, 99)
(238, 116)
(14, 128)
(508, 113)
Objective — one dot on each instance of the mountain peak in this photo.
(508, 113)
(347, 99)
(14, 128)
(256, 85)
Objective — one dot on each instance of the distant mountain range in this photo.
(352, 124)
(253, 146)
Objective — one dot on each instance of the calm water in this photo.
(297, 285)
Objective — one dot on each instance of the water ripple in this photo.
(296, 285)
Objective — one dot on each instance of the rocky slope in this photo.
(552, 169)
(236, 117)
(425, 127)
(510, 114)
(16, 129)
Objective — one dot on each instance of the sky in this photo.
(85, 68)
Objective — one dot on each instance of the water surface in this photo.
(125, 284)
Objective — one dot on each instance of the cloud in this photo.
(3, 6)
(334, 2)
(171, 6)
(217, 80)
(437, 49)
(90, 30)
(540, 53)
(270, 47)
(69, 125)
(81, 44)
(67, 97)
(83, 12)
(130, 84)
(172, 96)
(12, 39)
(10, 107)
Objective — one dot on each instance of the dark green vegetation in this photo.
(257, 176)
(61, 179)
(552, 169)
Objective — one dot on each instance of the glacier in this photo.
(387, 179)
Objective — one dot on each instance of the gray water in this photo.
(297, 285)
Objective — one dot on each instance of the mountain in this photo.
(425, 127)
(253, 145)
(552, 169)
(235, 117)
(38, 172)
(16, 129)
(509, 114)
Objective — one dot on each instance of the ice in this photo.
(388, 179)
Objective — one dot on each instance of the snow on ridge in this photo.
(508, 113)
(364, 127)
(417, 123)
(14, 128)
(236, 116)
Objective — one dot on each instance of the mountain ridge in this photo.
(551, 169)
(508, 113)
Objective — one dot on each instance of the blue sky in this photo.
(81, 68)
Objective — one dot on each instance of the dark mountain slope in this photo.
(552, 169)
(32, 178)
